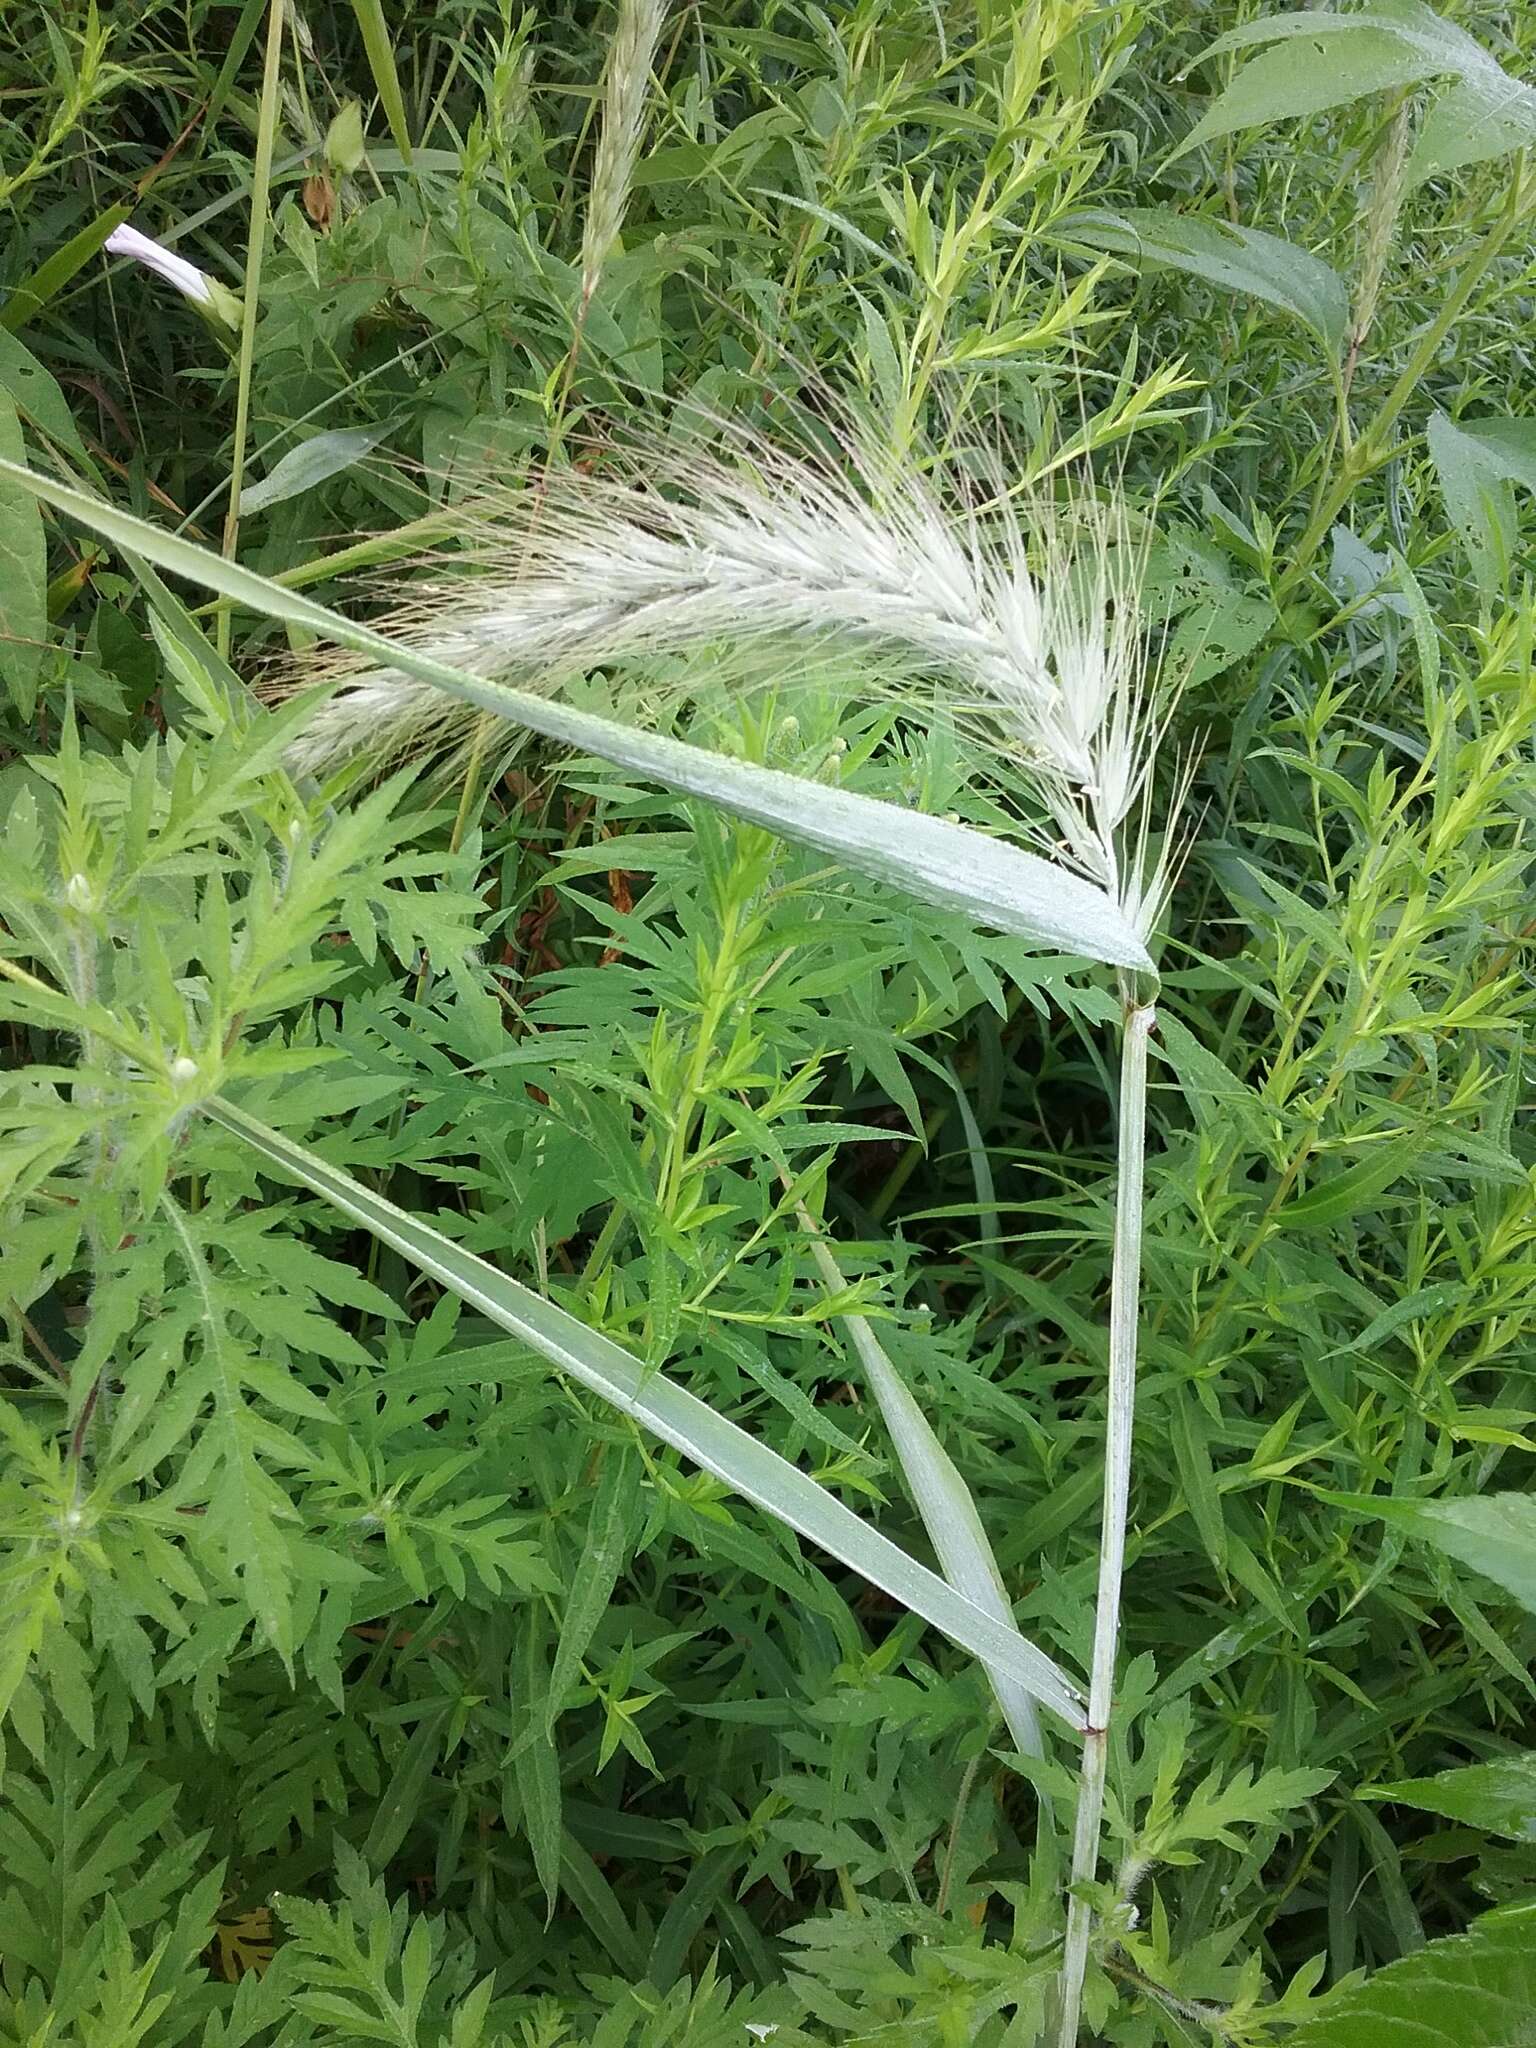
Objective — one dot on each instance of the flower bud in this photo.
(215, 301)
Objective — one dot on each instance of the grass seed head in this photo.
(1031, 627)
(626, 80)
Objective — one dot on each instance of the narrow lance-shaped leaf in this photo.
(990, 880)
(940, 1496)
(1321, 57)
(1233, 258)
(678, 1417)
(1309, 73)
(602, 1558)
(312, 462)
(381, 62)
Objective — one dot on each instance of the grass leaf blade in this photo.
(669, 1411)
(941, 1497)
(381, 62)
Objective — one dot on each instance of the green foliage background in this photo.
(363, 1681)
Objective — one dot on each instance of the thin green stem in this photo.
(962, 1802)
(1371, 450)
(261, 194)
(1124, 1289)
(717, 997)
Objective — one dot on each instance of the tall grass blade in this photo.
(989, 880)
(678, 1417)
(381, 62)
(27, 298)
(261, 204)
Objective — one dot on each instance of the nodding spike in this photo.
(1028, 627)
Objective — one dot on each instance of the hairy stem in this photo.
(1139, 1019)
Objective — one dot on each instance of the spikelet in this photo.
(1387, 188)
(626, 80)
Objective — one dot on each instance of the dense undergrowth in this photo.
(366, 1680)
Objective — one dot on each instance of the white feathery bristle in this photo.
(768, 548)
